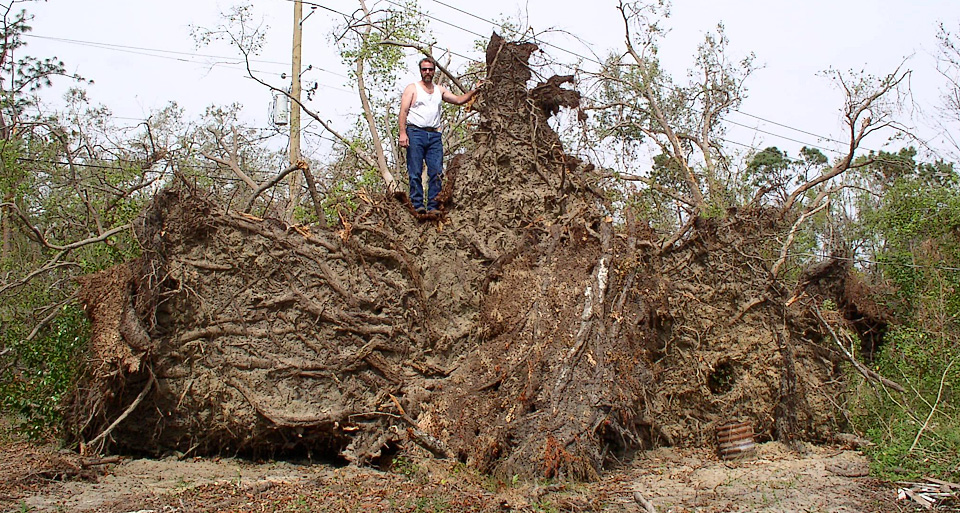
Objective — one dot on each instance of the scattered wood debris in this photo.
(930, 494)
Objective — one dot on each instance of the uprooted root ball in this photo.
(522, 333)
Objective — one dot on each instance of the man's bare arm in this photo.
(406, 100)
(458, 100)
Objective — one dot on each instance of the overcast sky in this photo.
(141, 54)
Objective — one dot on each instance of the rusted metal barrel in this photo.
(735, 440)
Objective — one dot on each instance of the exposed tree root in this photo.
(523, 333)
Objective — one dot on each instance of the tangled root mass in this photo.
(522, 333)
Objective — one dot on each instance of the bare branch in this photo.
(861, 368)
(126, 413)
(69, 247)
(273, 181)
(381, 157)
(233, 164)
(858, 105)
(823, 200)
(933, 408)
(650, 183)
(677, 152)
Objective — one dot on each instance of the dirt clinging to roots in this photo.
(522, 332)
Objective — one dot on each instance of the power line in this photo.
(111, 46)
(351, 17)
(590, 59)
(101, 166)
(464, 12)
(790, 127)
(95, 166)
(136, 51)
(425, 15)
(778, 135)
(735, 143)
(139, 51)
(497, 25)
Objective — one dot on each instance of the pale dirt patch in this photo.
(145, 480)
(775, 480)
(674, 480)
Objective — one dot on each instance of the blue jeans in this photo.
(424, 146)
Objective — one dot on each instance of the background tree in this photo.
(948, 63)
(669, 135)
(19, 77)
(911, 256)
(374, 42)
(70, 185)
(638, 101)
(371, 46)
(770, 174)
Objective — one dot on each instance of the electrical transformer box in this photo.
(280, 110)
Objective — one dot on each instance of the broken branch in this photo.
(867, 373)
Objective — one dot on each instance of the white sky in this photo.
(141, 56)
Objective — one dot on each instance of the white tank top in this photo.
(425, 109)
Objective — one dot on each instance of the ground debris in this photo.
(671, 480)
(931, 493)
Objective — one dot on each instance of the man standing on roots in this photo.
(420, 134)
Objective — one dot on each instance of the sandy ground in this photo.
(822, 479)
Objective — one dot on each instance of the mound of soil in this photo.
(522, 332)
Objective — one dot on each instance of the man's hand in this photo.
(404, 140)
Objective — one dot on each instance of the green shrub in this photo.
(912, 441)
(46, 368)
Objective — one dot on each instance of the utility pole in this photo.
(295, 107)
